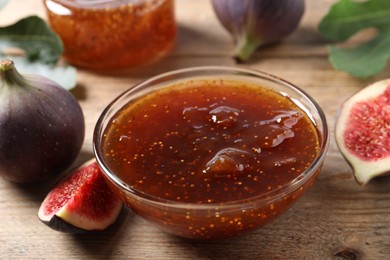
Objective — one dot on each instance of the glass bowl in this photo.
(212, 220)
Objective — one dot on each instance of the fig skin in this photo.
(365, 117)
(42, 126)
(256, 23)
(58, 224)
(81, 202)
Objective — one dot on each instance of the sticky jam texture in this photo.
(113, 35)
(368, 133)
(210, 142)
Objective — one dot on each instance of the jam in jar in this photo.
(112, 34)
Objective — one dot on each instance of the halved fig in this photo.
(363, 131)
(80, 202)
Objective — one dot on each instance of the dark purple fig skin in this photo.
(60, 225)
(255, 23)
(41, 127)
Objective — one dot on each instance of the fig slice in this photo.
(81, 202)
(363, 131)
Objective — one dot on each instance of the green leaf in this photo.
(365, 60)
(348, 17)
(34, 36)
(66, 76)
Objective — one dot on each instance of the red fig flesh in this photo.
(363, 131)
(82, 201)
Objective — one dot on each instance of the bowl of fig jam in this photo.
(211, 152)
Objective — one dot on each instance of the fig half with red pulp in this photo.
(363, 131)
(80, 202)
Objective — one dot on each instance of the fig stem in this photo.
(6, 64)
(245, 48)
(9, 75)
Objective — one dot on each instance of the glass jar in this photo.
(112, 34)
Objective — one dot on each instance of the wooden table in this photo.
(335, 219)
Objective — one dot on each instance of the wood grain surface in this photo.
(335, 219)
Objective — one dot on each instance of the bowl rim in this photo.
(271, 195)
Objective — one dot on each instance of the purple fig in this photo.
(363, 131)
(255, 23)
(41, 126)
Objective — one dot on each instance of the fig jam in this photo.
(210, 142)
(110, 34)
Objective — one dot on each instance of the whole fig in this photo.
(41, 126)
(255, 23)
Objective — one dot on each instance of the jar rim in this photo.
(96, 4)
